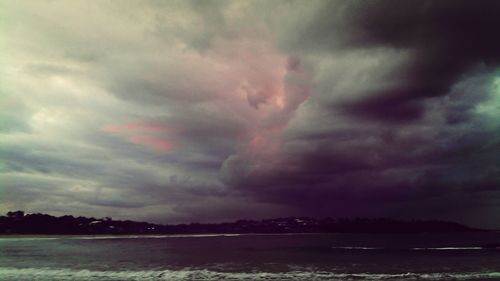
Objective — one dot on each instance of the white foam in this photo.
(448, 248)
(98, 237)
(39, 274)
(415, 249)
(17, 238)
(105, 237)
(358, 248)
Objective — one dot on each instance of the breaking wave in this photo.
(358, 248)
(42, 274)
(449, 248)
(415, 249)
(105, 237)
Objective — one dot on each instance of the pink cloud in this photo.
(246, 78)
(134, 126)
(158, 144)
(142, 133)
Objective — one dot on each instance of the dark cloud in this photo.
(445, 39)
(372, 168)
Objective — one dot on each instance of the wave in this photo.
(17, 238)
(358, 248)
(104, 237)
(41, 274)
(151, 236)
(449, 248)
(414, 249)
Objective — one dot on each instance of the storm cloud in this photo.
(183, 111)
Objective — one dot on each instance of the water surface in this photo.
(461, 256)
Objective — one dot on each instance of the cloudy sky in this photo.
(178, 111)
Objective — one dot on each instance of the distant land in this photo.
(20, 223)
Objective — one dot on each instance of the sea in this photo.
(424, 256)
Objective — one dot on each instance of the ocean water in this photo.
(463, 256)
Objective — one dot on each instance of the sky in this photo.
(209, 111)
